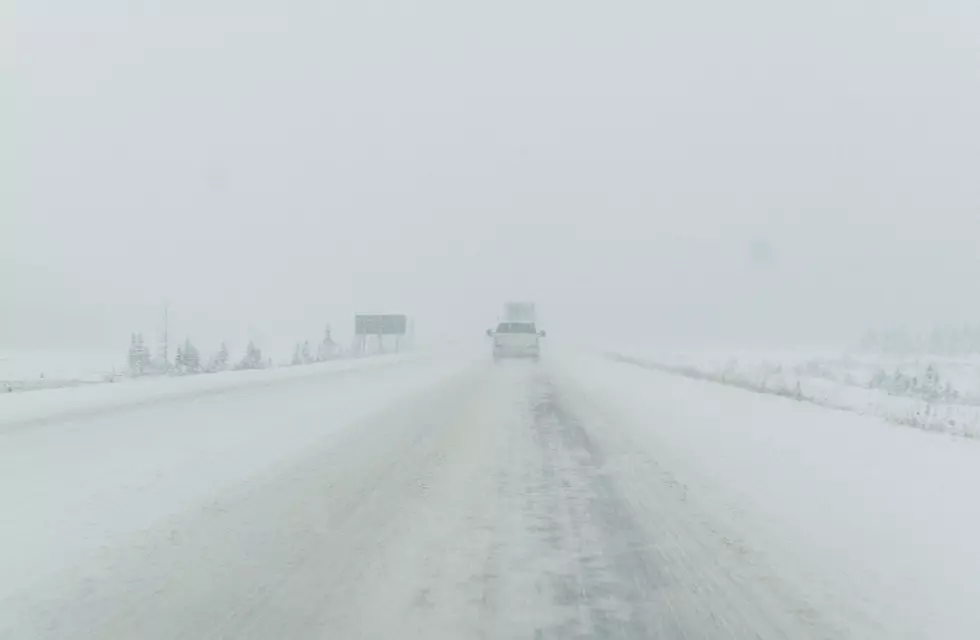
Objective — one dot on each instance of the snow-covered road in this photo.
(445, 497)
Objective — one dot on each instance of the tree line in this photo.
(187, 359)
(328, 349)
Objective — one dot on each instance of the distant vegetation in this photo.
(187, 359)
(950, 341)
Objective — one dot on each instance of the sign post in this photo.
(380, 325)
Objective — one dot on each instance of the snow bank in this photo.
(23, 409)
(930, 393)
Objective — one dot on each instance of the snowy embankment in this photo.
(931, 393)
(79, 401)
(880, 524)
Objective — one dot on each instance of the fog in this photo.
(753, 172)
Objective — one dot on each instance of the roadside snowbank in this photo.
(931, 393)
(22, 409)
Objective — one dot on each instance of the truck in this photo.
(517, 335)
(519, 312)
(516, 339)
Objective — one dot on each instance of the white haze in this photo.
(758, 171)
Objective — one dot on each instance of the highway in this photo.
(425, 497)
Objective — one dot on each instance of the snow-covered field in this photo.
(40, 368)
(934, 393)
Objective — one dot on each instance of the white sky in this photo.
(707, 171)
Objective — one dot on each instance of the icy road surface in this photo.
(451, 498)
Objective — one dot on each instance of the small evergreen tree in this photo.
(328, 348)
(146, 360)
(252, 359)
(192, 357)
(133, 359)
(219, 362)
(139, 355)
